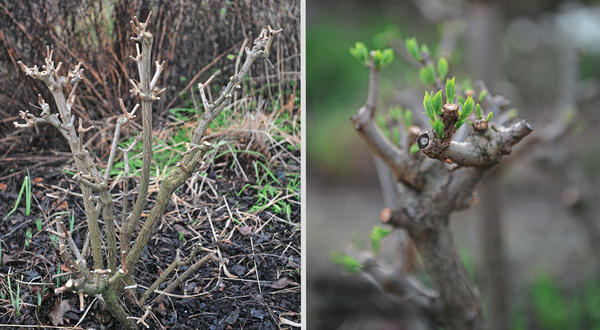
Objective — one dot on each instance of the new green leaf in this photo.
(428, 106)
(450, 90)
(414, 149)
(347, 262)
(489, 116)
(360, 52)
(427, 75)
(381, 121)
(467, 108)
(383, 58)
(478, 111)
(442, 68)
(377, 234)
(482, 96)
(413, 48)
(459, 123)
(466, 85)
(396, 136)
(438, 127)
(408, 119)
(396, 113)
(437, 103)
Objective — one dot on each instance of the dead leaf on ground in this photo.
(245, 230)
(3, 186)
(282, 283)
(38, 180)
(58, 312)
(63, 206)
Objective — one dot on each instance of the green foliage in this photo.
(15, 298)
(58, 271)
(438, 127)
(360, 52)
(270, 188)
(442, 67)
(427, 75)
(482, 96)
(25, 188)
(28, 194)
(437, 103)
(428, 105)
(550, 307)
(467, 109)
(383, 58)
(408, 118)
(489, 116)
(38, 224)
(28, 237)
(381, 121)
(72, 221)
(384, 38)
(396, 113)
(478, 112)
(414, 149)
(377, 234)
(433, 108)
(466, 84)
(425, 49)
(450, 90)
(348, 263)
(413, 48)
(396, 136)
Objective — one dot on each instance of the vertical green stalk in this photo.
(28, 194)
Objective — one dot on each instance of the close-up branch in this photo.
(431, 188)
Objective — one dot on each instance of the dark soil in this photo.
(260, 285)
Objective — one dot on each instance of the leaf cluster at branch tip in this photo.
(360, 52)
(381, 58)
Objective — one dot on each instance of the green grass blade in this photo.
(18, 200)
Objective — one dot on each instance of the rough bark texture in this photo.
(461, 308)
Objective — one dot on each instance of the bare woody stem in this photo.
(193, 157)
(462, 305)
(481, 149)
(397, 159)
(57, 85)
(147, 92)
(189, 272)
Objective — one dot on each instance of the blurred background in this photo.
(531, 242)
